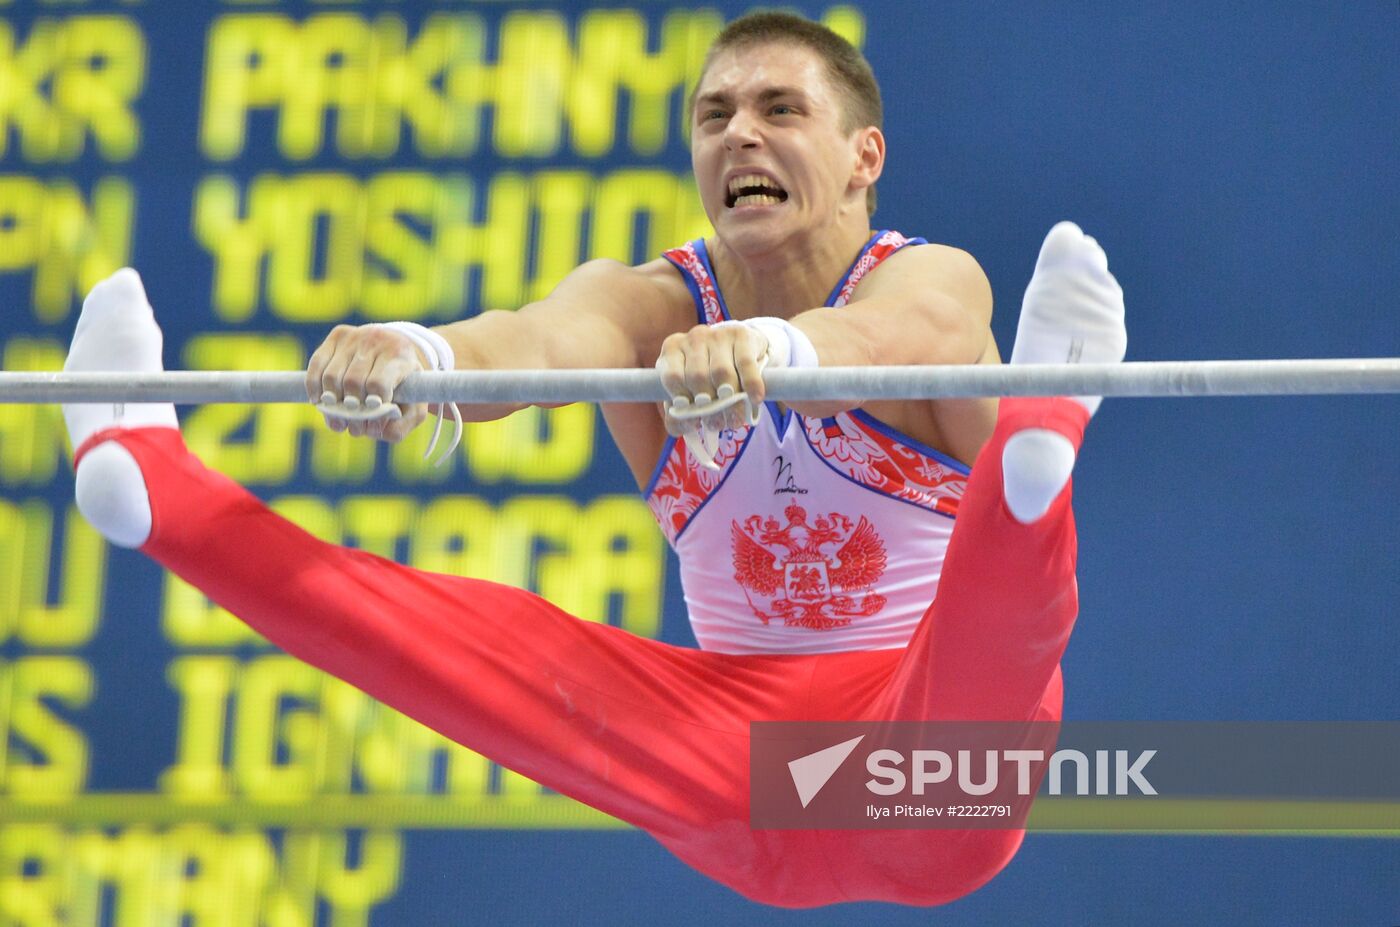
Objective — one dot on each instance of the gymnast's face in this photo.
(771, 156)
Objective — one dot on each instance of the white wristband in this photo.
(440, 357)
(788, 345)
(434, 347)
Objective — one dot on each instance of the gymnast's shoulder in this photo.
(930, 272)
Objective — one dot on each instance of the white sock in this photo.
(111, 493)
(1035, 465)
(1072, 314)
(116, 331)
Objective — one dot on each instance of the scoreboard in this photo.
(273, 169)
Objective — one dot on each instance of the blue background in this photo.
(1238, 558)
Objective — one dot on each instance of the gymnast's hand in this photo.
(714, 376)
(352, 376)
(709, 363)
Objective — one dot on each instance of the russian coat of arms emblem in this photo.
(816, 574)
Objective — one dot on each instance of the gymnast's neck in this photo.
(776, 274)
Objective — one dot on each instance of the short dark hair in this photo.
(847, 68)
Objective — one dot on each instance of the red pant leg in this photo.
(653, 734)
(989, 646)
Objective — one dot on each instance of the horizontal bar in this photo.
(1147, 378)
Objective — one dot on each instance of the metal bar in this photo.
(1151, 378)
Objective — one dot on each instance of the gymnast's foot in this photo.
(1072, 314)
(116, 332)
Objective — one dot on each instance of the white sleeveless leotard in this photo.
(816, 535)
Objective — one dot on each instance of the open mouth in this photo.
(754, 190)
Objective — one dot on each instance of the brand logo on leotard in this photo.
(784, 482)
(816, 575)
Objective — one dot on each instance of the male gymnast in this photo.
(812, 539)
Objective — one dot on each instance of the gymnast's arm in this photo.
(603, 314)
(929, 304)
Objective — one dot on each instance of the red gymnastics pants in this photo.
(654, 734)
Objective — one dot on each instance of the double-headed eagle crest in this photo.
(811, 576)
